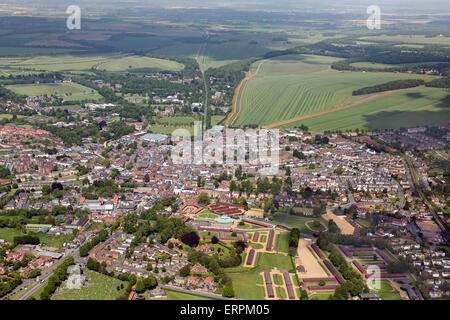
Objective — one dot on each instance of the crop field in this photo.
(97, 287)
(114, 63)
(291, 86)
(135, 63)
(72, 91)
(426, 106)
(55, 63)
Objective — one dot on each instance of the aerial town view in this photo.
(224, 150)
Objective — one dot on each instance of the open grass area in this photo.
(55, 63)
(97, 287)
(276, 261)
(140, 63)
(281, 293)
(387, 292)
(177, 120)
(50, 240)
(291, 86)
(207, 214)
(278, 279)
(256, 245)
(244, 283)
(320, 296)
(169, 129)
(114, 63)
(69, 91)
(282, 242)
(364, 222)
(292, 221)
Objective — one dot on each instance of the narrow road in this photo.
(415, 178)
(200, 57)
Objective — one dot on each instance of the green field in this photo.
(292, 221)
(169, 129)
(177, 120)
(69, 91)
(276, 261)
(296, 85)
(8, 234)
(426, 106)
(244, 283)
(136, 63)
(55, 63)
(114, 63)
(387, 292)
(278, 279)
(97, 287)
(283, 242)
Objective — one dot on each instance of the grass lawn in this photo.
(281, 293)
(320, 296)
(283, 242)
(364, 222)
(208, 234)
(244, 283)
(208, 215)
(50, 240)
(276, 261)
(169, 129)
(97, 287)
(256, 245)
(387, 292)
(278, 279)
(292, 221)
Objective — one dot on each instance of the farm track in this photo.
(313, 115)
(233, 113)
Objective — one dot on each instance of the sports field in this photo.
(292, 86)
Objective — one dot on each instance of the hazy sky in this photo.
(390, 5)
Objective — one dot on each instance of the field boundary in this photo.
(233, 113)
